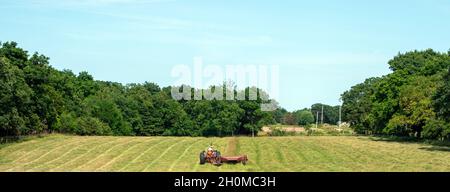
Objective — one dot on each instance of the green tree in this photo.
(304, 117)
(253, 118)
(15, 55)
(278, 115)
(357, 105)
(290, 119)
(400, 103)
(92, 126)
(441, 99)
(87, 85)
(330, 113)
(415, 103)
(14, 99)
(102, 106)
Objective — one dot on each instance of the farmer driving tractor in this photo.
(213, 156)
(210, 152)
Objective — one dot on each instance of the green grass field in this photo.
(301, 153)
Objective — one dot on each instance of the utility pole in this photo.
(317, 118)
(321, 119)
(340, 116)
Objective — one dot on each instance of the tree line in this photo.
(413, 100)
(308, 116)
(37, 98)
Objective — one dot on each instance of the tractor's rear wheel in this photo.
(202, 158)
(218, 157)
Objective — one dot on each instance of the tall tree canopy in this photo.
(413, 99)
(36, 98)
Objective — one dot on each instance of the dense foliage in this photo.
(413, 100)
(308, 116)
(330, 113)
(36, 98)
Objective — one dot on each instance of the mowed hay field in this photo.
(302, 153)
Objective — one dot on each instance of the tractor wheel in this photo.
(218, 157)
(202, 158)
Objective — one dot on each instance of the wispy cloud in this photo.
(172, 30)
(121, 24)
(327, 60)
(92, 2)
(232, 40)
(147, 21)
(199, 40)
(167, 22)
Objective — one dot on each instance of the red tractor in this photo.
(214, 157)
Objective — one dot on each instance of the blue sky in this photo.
(322, 47)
